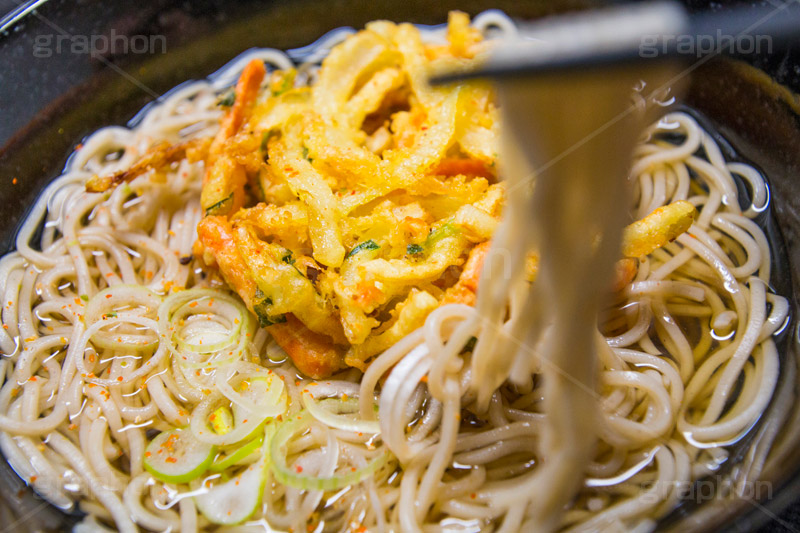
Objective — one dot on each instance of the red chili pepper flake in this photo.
(171, 460)
(119, 378)
(108, 296)
(147, 454)
(298, 468)
(473, 495)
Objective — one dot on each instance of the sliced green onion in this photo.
(288, 476)
(175, 456)
(203, 432)
(205, 334)
(340, 414)
(205, 303)
(221, 420)
(240, 455)
(235, 500)
(205, 328)
(260, 393)
(226, 322)
(221, 358)
(264, 398)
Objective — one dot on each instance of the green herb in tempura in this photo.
(364, 246)
(262, 310)
(227, 100)
(414, 249)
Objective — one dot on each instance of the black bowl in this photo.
(53, 92)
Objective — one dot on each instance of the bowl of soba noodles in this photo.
(259, 275)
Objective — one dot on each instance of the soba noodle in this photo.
(101, 353)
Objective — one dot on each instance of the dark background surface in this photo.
(134, 82)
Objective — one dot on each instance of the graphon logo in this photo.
(715, 488)
(703, 44)
(46, 45)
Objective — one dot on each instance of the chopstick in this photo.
(635, 33)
